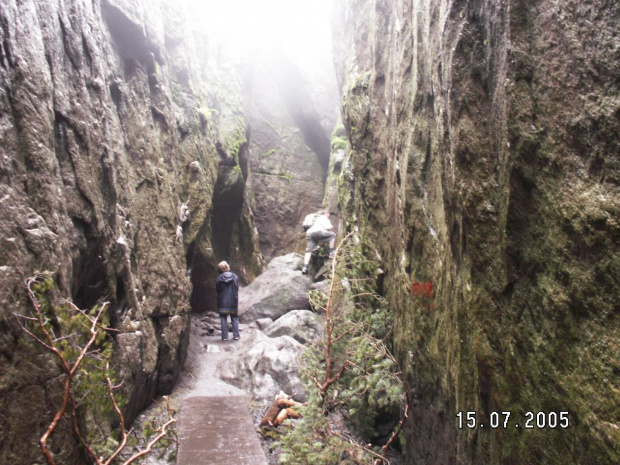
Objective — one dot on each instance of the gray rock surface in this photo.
(110, 160)
(483, 162)
(320, 286)
(291, 261)
(304, 326)
(293, 110)
(263, 323)
(278, 290)
(268, 366)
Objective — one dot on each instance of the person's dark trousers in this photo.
(235, 325)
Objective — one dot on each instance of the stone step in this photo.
(218, 430)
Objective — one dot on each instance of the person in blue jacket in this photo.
(227, 286)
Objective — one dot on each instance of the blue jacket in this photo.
(227, 286)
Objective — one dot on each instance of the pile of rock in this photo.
(209, 324)
(276, 305)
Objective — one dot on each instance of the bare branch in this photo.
(119, 414)
(63, 338)
(78, 433)
(330, 323)
(359, 368)
(313, 378)
(50, 340)
(328, 382)
(50, 429)
(398, 429)
(96, 319)
(93, 327)
(380, 458)
(24, 317)
(83, 352)
(364, 294)
(163, 431)
(35, 337)
(346, 333)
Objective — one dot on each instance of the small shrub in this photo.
(80, 341)
(351, 376)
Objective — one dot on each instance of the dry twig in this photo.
(70, 369)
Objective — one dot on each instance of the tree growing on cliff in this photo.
(80, 342)
(351, 377)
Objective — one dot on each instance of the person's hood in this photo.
(227, 277)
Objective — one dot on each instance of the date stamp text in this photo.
(526, 420)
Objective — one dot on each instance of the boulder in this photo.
(291, 261)
(320, 286)
(263, 323)
(302, 325)
(278, 290)
(266, 368)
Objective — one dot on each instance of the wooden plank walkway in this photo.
(218, 430)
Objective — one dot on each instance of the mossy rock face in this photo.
(233, 231)
(291, 114)
(110, 131)
(482, 175)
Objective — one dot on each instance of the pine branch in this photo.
(326, 385)
(93, 327)
(78, 433)
(328, 314)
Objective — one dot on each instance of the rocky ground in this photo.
(200, 378)
(257, 366)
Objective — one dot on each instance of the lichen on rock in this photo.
(103, 143)
(481, 164)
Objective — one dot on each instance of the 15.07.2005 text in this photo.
(527, 420)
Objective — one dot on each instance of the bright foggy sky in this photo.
(299, 26)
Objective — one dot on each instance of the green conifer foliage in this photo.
(80, 342)
(350, 377)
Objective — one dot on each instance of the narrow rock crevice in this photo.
(299, 102)
(202, 269)
(228, 197)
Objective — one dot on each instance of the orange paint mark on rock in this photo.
(424, 289)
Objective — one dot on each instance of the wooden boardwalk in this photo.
(218, 430)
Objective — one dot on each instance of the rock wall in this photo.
(229, 232)
(483, 174)
(292, 110)
(108, 141)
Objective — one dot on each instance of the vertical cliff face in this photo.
(483, 174)
(229, 231)
(108, 141)
(292, 107)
